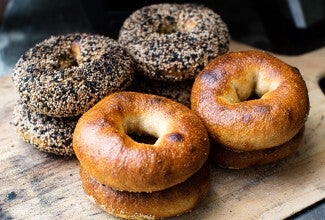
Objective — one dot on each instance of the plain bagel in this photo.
(235, 159)
(173, 201)
(106, 151)
(221, 97)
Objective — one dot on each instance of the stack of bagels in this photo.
(133, 180)
(169, 76)
(254, 106)
(171, 43)
(60, 79)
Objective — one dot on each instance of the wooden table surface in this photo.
(36, 185)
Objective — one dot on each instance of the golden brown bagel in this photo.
(234, 159)
(221, 92)
(173, 201)
(104, 149)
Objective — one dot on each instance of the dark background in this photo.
(265, 24)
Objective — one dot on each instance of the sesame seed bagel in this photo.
(177, 91)
(234, 159)
(170, 202)
(65, 75)
(174, 42)
(48, 134)
(104, 148)
(222, 97)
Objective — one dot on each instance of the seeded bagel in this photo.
(48, 134)
(173, 42)
(65, 75)
(177, 91)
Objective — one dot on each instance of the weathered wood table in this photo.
(36, 185)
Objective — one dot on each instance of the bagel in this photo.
(47, 134)
(65, 75)
(221, 97)
(106, 151)
(177, 91)
(173, 42)
(170, 202)
(234, 159)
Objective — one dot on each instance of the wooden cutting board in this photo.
(38, 185)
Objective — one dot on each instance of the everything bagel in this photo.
(173, 42)
(65, 75)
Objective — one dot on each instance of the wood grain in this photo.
(36, 185)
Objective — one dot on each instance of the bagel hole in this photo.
(72, 58)
(67, 61)
(253, 96)
(143, 128)
(166, 29)
(167, 26)
(321, 84)
(143, 138)
(246, 93)
(251, 87)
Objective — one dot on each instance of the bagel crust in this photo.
(173, 42)
(170, 202)
(177, 91)
(221, 97)
(104, 149)
(47, 134)
(235, 159)
(65, 75)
